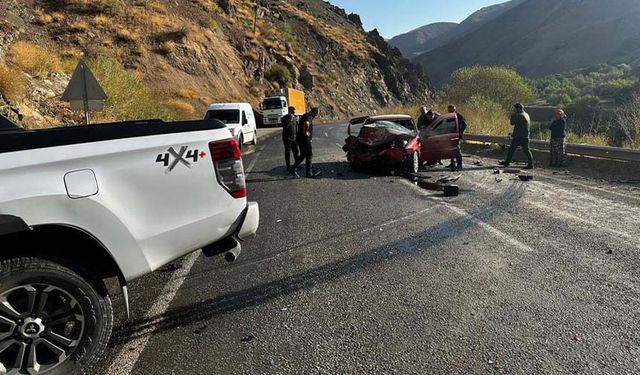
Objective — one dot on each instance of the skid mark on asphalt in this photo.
(464, 214)
(334, 237)
(564, 214)
(595, 188)
(129, 354)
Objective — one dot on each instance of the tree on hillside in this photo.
(499, 84)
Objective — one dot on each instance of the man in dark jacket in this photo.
(456, 163)
(304, 138)
(558, 133)
(289, 130)
(520, 137)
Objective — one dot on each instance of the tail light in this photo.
(228, 164)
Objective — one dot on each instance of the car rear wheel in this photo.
(412, 163)
(52, 319)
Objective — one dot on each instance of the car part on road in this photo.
(511, 171)
(525, 178)
(52, 318)
(449, 179)
(451, 191)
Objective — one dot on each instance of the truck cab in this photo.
(239, 119)
(276, 105)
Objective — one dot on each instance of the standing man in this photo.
(422, 119)
(456, 163)
(521, 126)
(289, 130)
(558, 133)
(304, 139)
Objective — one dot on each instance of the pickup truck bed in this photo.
(80, 204)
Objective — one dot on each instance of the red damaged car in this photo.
(389, 141)
(393, 141)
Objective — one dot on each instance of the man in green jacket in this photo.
(520, 137)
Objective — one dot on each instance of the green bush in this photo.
(280, 74)
(128, 97)
(501, 84)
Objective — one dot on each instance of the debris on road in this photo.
(449, 179)
(497, 171)
(498, 180)
(525, 178)
(279, 221)
(429, 185)
(478, 163)
(511, 171)
(451, 191)
(247, 338)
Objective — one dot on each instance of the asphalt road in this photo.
(358, 274)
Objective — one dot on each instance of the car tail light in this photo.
(228, 164)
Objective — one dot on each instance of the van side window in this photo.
(244, 118)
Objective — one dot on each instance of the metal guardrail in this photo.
(614, 153)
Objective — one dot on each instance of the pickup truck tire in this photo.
(54, 319)
(255, 138)
(240, 141)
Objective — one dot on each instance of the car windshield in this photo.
(272, 104)
(227, 116)
(400, 126)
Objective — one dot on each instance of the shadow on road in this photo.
(259, 294)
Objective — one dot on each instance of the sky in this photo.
(393, 17)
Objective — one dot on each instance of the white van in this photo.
(239, 119)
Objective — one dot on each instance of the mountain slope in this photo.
(432, 36)
(419, 40)
(179, 56)
(540, 37)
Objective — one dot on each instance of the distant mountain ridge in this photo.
(540, 37)
(432, 36)
(418, 41)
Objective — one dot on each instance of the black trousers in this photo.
(306, 154)
(520, 142)
(457, 161)
(290, 146)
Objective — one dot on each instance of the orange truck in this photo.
(275, 106)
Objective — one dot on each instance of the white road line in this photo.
(462, 213)
(129, 354)
(253, 162)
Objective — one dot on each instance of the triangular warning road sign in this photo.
(83, 86)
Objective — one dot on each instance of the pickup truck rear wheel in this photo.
(52, 319)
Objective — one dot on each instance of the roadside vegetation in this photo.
(602, 102)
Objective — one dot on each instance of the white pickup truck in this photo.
(79, 205)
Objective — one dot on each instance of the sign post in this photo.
(84, 92)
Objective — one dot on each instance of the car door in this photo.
(440, 140)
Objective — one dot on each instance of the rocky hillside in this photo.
(171, 58)
(540, 37)
(420, 40)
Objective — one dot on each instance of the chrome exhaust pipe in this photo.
(233, 254)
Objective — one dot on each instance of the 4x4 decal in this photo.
(179, 157)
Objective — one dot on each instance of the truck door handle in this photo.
(455, 139)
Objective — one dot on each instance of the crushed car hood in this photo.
(378, 134)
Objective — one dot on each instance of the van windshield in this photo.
(227, 116)
(272, 104)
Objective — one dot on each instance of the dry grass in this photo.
(207, 5)
(187, 94)
(57, 17)
(181, 108)
(589, 139)
(167, 47)
(13, 84)
(126, 36)
(158, 7)
(79, 27)
(206, 100)
(101, 20)
(41, 18)
(33, 59)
